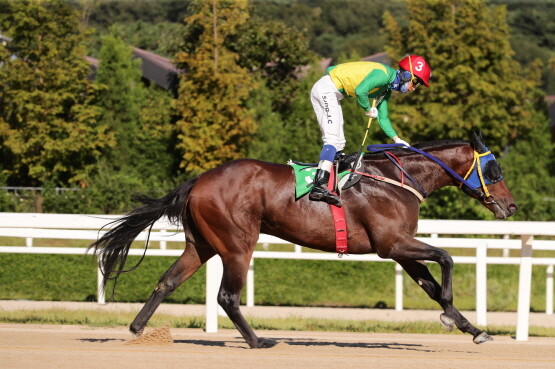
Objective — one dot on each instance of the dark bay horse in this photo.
(223, 210)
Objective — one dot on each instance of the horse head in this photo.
(487, 182)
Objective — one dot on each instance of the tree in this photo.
(48, 127)
(120, 98)
(476, 84)
(529, 169)
(142, 120)
(275, 53)
(214, 126)
(298, 137)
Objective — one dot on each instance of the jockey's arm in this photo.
(374, 80)
(383, 117)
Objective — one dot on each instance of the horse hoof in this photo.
(447, 322)
(137, 333)
(265, 343)
(482, 338)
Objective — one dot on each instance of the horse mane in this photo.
(424, 146)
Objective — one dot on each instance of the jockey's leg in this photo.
(320, 190)
(325, 97)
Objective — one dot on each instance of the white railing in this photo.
(85, 227)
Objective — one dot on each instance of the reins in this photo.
(391, 181)
(483, 195)
(404, 173)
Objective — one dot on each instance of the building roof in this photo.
(155, 68)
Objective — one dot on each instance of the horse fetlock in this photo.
(447, 322)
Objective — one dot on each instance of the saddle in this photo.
(304, 173)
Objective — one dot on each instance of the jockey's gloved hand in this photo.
(372, 113)
(399, 141)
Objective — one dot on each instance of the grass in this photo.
(116, 319)
(277, 283)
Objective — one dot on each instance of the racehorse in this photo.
(223, 211)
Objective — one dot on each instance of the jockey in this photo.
(363, 80)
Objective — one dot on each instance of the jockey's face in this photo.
(411, 86)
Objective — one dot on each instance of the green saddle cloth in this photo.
(304, 178)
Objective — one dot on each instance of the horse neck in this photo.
(459, 157)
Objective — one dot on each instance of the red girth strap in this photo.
(338, 220)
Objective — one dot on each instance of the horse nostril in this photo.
(512, 208)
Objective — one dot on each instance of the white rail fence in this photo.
(86, 227)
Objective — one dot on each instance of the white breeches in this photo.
(325, 97)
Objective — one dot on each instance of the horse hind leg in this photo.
(229, 295)
(188, 263)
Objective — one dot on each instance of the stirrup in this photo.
(321, 194)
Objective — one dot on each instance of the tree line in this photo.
(244, 92)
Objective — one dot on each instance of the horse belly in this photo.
(311, 224)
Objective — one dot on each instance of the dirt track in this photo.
(61, 347)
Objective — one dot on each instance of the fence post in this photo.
(250, 284)
(163, 244)
(549, 290)
(524, 282)
(398, 287)
(29, 242)
(100, 288)
(214, 272)
(506, 252)
(481, 283)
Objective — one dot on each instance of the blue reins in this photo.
(384, 147)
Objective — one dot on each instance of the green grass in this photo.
(114, 319)
(277, 282)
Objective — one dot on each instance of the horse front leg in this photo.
(409, 258)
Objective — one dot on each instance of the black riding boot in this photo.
(320, 190)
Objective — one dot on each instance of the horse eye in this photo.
(493, 171)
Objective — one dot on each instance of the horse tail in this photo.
(113, 246)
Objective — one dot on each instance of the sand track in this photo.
(60, 347)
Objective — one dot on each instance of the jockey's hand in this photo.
(399, 141)
(372, 113)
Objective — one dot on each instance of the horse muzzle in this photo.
(500, 211)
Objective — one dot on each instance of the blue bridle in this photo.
(485, 173)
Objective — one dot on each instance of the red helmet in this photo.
(418, 67)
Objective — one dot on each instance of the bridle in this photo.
(481, 174)
(485, 170)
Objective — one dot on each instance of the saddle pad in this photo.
(304, 178)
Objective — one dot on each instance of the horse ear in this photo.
(478, 142)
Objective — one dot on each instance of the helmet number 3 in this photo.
(419, 66)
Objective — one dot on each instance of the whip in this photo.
(376, 101)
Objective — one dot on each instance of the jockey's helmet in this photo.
(418, 67)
